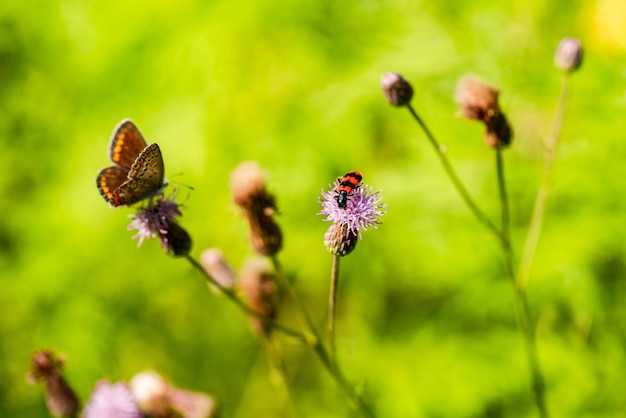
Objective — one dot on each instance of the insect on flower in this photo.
(347, 184)
(364, 212)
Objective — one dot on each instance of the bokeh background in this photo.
(426, 324)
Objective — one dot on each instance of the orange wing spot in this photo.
(118, 148)
(138, 163)
(105, 189)
(103, 186)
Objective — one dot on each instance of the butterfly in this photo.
(138, 170)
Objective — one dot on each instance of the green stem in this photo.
(335, 372)
(332, 303)
(536, 222)
(453, 176)
(524, 319)
(522, 309)
(278, 376)
(241, 305)
(505, 216)
(316, 343)
(313, 337)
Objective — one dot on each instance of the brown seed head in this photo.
(60, 398)
(259, 206)
(247, 183)
(479, 101)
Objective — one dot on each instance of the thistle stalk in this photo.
(332, 302)
(537, 219)
(454, 178)
(316, 343)
(522, 309)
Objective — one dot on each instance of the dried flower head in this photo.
(396, 89)
(158, 399)
(569, 55)
(259, 207)
(258, 285)
(217, 267)
(60, 398)
(158, 219)
(479, 101)
(112, 400)
(363, 210)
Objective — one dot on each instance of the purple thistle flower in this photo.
(112, 401)
(363, 211)
(158, 219)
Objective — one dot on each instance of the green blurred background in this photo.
(426, 324)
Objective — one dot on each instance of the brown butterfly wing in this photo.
(109, 180)
(126, 144)
(145, 178)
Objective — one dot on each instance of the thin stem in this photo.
(453, 176)
(313, 337)
(524, 319)
(522, 309)
(536, 222)
(332, 303)
(316, 343)
(241, 305)
(278, 376)
(335, 372)
(505, 236)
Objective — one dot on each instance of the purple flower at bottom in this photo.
(112, 401)
(158, 219)
(363, 210)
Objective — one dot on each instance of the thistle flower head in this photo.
(396, 89)
(158, 399)
(217, 267)
(258, 285)
(479, 101)
(259, 207)
(60, 398)
(569, 55)
(112, 400)
(363, 210)
(158, 219)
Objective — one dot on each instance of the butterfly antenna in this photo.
(182, 184)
